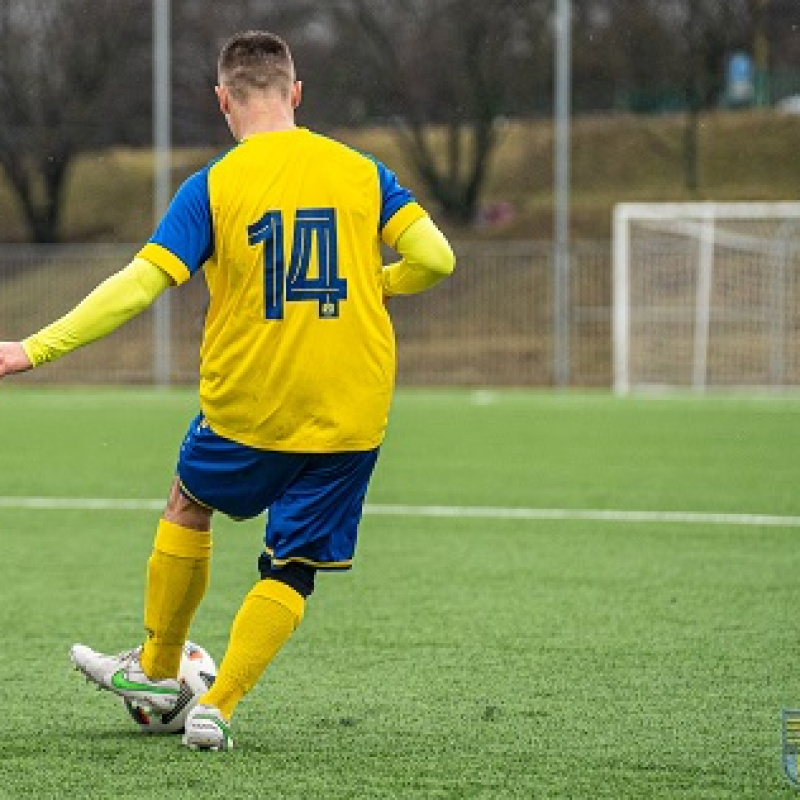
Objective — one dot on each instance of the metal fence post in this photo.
(162, 311)
(561, 266)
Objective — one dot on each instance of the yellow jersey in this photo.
(298, 350)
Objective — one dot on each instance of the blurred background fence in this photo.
(491, 324)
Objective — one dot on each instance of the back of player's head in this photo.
(256, 62)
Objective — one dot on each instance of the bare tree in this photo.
(444, 65)
(682, 45)
(709, 31)
(70, 76)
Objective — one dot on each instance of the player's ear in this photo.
(296, 94)
(224, 99)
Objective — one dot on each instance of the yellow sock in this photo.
(268, 616)
(177, 577)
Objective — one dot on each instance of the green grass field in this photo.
(580, 647)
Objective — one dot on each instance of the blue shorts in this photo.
(314, 500)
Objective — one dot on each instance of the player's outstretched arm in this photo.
(116, 300)
(427, 258)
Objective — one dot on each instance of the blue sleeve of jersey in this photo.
(393, 195)
(186, 230)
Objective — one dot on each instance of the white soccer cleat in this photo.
(122, 674)
(207, 729)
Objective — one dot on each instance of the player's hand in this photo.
(13, 359)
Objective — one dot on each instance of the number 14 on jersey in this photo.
(303, 280)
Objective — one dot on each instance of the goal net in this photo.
(706, 295)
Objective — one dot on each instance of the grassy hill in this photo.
(744, 156)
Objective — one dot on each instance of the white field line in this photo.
(448, 512)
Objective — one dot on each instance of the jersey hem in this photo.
(287, 446)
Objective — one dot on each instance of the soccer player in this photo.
(296, 375)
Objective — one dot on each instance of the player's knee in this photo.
(182, 509)
(298, 576)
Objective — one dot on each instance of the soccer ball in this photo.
(196, 673)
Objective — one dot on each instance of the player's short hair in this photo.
(255, 61)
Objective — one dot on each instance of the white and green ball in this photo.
(196, 674)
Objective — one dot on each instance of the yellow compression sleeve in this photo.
(427, 258)
(118, 298)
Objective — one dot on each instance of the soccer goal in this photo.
(706, 295)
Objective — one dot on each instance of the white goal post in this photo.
(706, 295)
